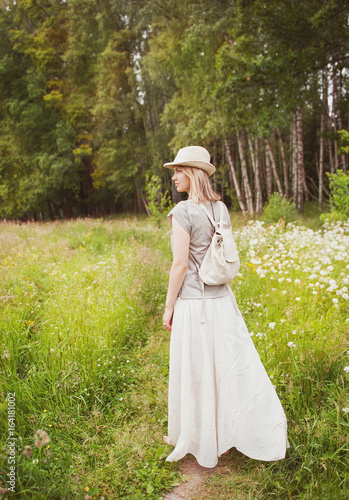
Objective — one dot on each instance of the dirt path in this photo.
(195, 476)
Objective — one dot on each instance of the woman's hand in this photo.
(167, 318)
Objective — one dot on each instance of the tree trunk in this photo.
(342, 159)
(251, 148)
(257, 173)
(248, 192)
(322, 139)
(258, 183)
(233, 173)
(294, 161)
(284, 165)
(135, 202)
(334, 118)
(300, 161)
(330, 152)
(123, 202)
(269, 152)
(268, 175)
(56, 210)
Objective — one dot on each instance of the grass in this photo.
(82, 348)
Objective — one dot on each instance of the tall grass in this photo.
(80, 308)
(81, 346)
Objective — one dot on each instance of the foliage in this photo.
(343, 141)
(95, 96)
(159, 204)
(278, 208)
(339, 185)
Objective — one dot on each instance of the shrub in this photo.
(339, 185)
(343, 141)
(158, 203)
(278, 208)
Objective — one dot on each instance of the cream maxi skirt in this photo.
(220, 395)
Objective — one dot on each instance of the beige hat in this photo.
(193, 156)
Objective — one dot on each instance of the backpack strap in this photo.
(221, 215)
(208, 214)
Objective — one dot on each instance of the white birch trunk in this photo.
(259, 200)
(248, 192)
(268, 175)
(300, 161)
(342, 158)
(334, 118)
(294, 162)
(269, 152)
(253, 159)
(284, 165)
(233, 174)
(257, 173)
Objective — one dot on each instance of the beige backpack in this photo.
(221, 262)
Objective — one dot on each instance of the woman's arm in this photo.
(180, 245)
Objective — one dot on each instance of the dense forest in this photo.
(95, 95)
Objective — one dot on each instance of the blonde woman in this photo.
(220, 395)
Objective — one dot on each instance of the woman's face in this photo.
(182, 181)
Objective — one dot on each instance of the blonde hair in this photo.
(201, 190)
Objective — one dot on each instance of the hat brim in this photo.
(207, 167)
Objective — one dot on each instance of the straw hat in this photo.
(193, 156)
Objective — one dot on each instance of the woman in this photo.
(220, 395)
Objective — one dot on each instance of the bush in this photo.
(158, 203)
(278, 208)
(339, 185)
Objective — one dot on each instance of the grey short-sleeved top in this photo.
(195, 222)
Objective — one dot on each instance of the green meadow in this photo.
(83, 350)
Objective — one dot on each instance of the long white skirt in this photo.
(220, 395)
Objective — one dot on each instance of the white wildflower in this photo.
(41, 438)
